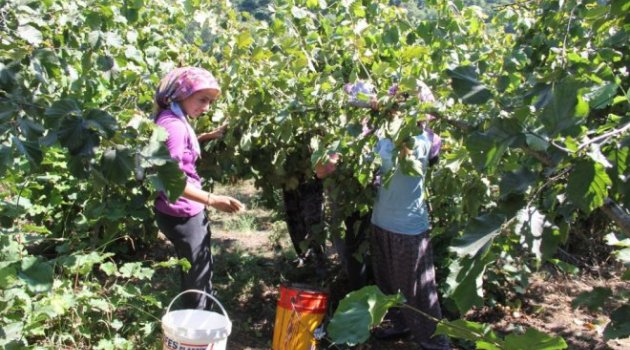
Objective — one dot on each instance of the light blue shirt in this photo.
(400, 207)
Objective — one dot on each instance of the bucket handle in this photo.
(199, 292)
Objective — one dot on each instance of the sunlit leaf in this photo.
(485, 150)
(478, 233)
(466, 330)
(8, 274)
(31, 34)
(560, 114)
(37, 274)
(363, 309)
(588, 185)
(169, 179)
(465, 84)
(298, 12)
(465, 281)
(530, 225)
(533, 339)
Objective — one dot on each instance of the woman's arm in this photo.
(219, 202)
(214, 134)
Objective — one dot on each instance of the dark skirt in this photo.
(405, 263)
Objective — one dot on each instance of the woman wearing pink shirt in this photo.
(183, 94)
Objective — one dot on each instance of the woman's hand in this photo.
(323, 170)
(214, 134)
(225, 203)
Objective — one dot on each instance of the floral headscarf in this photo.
(178, 85)
(182, 82)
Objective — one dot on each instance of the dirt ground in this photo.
(254, 240)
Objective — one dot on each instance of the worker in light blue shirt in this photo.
(400, 206)
(400, 246)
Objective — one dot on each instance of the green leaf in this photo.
(8, 274)
(63, 108)
(466, 86)
(466, 330)
(109, 268)
(358, 9)
(82, 263)
(48, 60)
(136, 270)
(155, 152)
(101, 121)
(411, 166)
(117, 164)
(562, 113)
(594, 299)
(362, 309)
(30, 34)
(595, 153)
(414, 52)
(566, 267)
(298, 12)
(7, 111)
(536, 142)
(530, 225)
(6, 159)
(391, 34)
(170, 180)
(516, 182)
(486, 150)
(465, 281)
(533, 339)
(623, 255)
(13, 331)
(602, 96)
(105, 62)
(619, 326)
(172, 262)
(477, 235)
(30, 128)
(30, 149)
(587, 185)
(37, 274)
(244, 40)
(553, 237)
(73, 134)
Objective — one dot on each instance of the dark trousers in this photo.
(304, 216)
(191, 238)
(354, 256)
(405, 263)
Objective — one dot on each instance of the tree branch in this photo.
(617, 214)
(458, 124)
(605, 136)
(540, 156)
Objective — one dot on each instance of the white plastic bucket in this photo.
(191, 329)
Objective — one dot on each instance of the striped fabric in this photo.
(405, 263)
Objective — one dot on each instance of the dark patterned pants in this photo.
(304, 216)
(405, 263)
(357, 268)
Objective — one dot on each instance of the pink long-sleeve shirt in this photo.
(180, 145)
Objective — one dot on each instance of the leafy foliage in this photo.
(532, 106)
